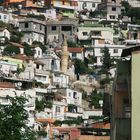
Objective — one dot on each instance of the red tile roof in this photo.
(22, 57)
(6, 85)
(72, 49)
(76, 50)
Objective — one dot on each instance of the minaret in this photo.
(64, 55)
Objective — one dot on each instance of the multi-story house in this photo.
(5, 17)
(41, 75)
(51, 60)
(68, 7)
(125, 97)
(56, 28)
(74, 102)
(113, 9)
(114, 50)
(90, 5)
(4, 33)
(134, 3)
(13, 86)
(93, 36)
(133, 35)
(33, 29)
(60, 80)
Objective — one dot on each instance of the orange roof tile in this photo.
(75, 49)
(6, 85)
(22, 57)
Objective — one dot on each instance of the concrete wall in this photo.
(87, 137)
(135, 96)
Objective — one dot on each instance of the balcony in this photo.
(73, 115)
(41, 90)
(59, 103)
(65, 6)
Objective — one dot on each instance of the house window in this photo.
(4, 33)
(74, 54)
(40, 27)
(66, 28)
(74, 95)
(38, 52)
(93, 4)
(4, 100)
(5, 16)
(84, 4)
(26, 25)
(112, 17)
(69, 94)
(95, 33)
(37, 66)
(53, 28)
(0, 16)
(113, 8)
(57, 109)
(115, 50)
(85, 33)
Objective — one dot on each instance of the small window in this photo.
(74, 54)
(113, 8)
(84, 4)
(37, 66)
(4, 100)
(4, 33)
(85, 33)
(69, 94)
(5, 16)
(53, 28)
(93, 4)
(26, 25)
(115, 50)
(112, 17)
(57, 109)
(38, 52)
(0, 16)
(40, 27)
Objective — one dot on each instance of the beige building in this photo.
(125, 102)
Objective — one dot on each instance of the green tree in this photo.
(126, 5)
(13, 120)
(95, 98)
(107, 62)
(16, 36)
(28, 50)
(11, 50)
(80, 67)
(72, 44)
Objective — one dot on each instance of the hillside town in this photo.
(73, 66)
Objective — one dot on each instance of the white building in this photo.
(51, 61)
(38, 52)
(76, 53)
(9, 89)
(90, 5)
(114, 50)
(93, 112)
(5, 17)
(93, 36)
(74, 103)
(134, 3)
(60, 79)
(4, 33)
